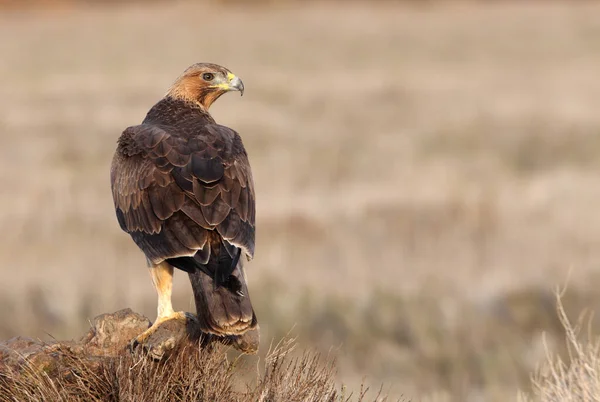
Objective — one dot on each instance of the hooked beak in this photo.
(232, 83)
(235, 84)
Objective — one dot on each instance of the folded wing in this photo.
(179, 196)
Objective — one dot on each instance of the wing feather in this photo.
(171, 191)
(208, 170)
(205, 195)
(193, 211)
(215, 212)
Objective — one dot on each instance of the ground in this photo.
(425, 175)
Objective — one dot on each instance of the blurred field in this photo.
(425, 175)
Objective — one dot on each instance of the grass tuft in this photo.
(192, 374)
(576, 376)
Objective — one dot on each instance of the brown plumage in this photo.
(183, 189)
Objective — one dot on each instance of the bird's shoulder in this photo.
(181, 125)
(159, 140)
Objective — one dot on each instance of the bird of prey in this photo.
(183, 189)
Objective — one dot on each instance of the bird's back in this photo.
(183, 118)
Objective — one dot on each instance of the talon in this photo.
(143, 337)
(133, 344)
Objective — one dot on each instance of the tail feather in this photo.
(221, 310)
(223, 304)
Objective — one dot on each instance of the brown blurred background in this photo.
(426, 173)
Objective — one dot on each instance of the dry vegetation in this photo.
(425, 176)
(575, 377)
(190, 375)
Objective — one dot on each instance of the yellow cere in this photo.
(225, 85)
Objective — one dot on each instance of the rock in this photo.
(111, 336)
(15, 351)
(248, 342)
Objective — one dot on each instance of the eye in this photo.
(208, 76)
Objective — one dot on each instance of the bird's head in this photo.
(203, 83)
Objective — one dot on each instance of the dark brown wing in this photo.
(176, 195)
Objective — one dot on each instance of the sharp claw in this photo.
(133, 345)
(156, 355)
(141, 340)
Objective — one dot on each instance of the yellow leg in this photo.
(162, 277)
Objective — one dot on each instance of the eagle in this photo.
(183, 190)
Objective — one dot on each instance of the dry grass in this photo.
(575, 376)
(425, 175)
(190, 375)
